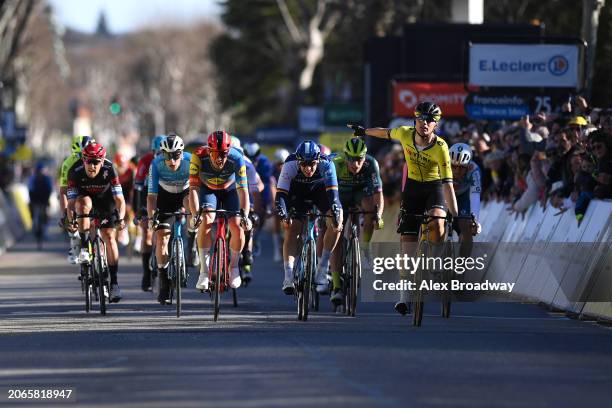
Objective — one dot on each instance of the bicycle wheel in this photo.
(219, 271)
(309, 271)
(178, 265)
(100, 272)
(418, 294)
(299, 283)
(355, 272)
(447, 275)
(86, 285)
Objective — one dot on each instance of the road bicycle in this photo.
(177, 271)
(218, 271)
(94, 274)
(351, 260)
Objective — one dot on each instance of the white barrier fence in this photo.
(551, 258)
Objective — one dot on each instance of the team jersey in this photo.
(253, 178)
(368, 178)
(429, 164)
(160, 175)
(471, 185)
(104, 184)
(65, 168)
(202, 171)
(142, 171)
(290, 173)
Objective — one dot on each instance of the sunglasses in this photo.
(219, 153)
(427, 119)
(95, 162)
(354, 159)
(310, 163)
(172, 155)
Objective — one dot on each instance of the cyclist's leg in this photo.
(108, 220)
(330, 238)
(231, 202)
(367, 204)
(208, 200)
(83, 206)
(146, 248)
(464, 227)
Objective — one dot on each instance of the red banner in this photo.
(448, 95)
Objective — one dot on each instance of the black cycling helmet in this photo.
(428, 110)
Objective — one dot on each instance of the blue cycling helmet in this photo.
(308, 151)
(156, 142)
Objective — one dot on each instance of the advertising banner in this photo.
(524, 65)
(450, 96)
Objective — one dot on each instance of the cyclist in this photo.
(280, 155)
(77, 145)
(168, 190)
(359, 185)
(256, 187)
(466, 180)
(429, 185)
(264, 169)
(307, 175)
(94, 184)
(40, 187)
(139, 205)
(126, 178)
(217, 176)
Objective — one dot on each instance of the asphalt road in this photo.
(259, 355)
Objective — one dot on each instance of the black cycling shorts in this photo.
(417, 198)
(169, 202)
(104, 206)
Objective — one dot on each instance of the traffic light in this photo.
(114, 107)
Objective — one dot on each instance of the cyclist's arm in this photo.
(475, 189)
(242, 185)
(449, 196)
(331, 183)
(376, 185)
(288, 172)
(194, 183)
(381, 133)
(118, 194)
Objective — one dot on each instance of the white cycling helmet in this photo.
(252, 149)
(460, 154)
(235, 143)
(172, 143)
(280, 155)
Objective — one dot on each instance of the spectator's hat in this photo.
(577, 121)
(556, 187)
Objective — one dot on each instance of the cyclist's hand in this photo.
(121, 224)
(357, 130)
(246, 224)
(71, 226)
(337, 217)
(152, 224)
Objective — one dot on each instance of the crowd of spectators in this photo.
(562, 159)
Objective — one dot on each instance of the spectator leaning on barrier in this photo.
(601, 143)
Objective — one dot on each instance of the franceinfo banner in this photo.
(493, 272)
(534, 65)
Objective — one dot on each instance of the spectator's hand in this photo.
(604, 178)
(581, 103)
(525, 123)
(566, 107)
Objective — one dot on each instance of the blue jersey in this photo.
(325, 173)
(264, 169)
(160, 175)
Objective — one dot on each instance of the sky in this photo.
(127, 15)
